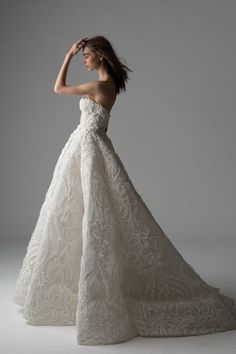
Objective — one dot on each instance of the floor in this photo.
(214, 261)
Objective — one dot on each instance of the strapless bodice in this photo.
(94, 116)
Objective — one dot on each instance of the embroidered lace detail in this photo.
(94, 116)
(99, 260)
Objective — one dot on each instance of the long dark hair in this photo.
(113, 63)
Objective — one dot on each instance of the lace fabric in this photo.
(98, 259)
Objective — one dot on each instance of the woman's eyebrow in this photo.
(85, 53)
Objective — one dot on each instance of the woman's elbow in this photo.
(56, 90)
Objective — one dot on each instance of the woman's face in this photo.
(90, 59)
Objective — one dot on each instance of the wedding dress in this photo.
(98, 259)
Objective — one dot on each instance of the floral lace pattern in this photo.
(98, 259)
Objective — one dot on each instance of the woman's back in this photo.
(106, 94)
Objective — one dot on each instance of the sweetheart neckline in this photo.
(99, 104)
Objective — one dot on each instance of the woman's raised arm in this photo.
(60, 86)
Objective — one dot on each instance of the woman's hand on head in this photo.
(77, 46)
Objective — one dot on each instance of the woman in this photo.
(97, 258)
(112, 73)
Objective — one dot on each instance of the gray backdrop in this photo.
(174, 128)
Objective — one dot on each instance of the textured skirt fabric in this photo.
(98, 259)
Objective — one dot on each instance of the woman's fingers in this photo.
(82, 40)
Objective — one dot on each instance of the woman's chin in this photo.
(89, 68)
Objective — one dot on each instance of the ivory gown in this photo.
(98, 259)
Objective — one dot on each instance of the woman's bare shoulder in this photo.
(106, 94)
